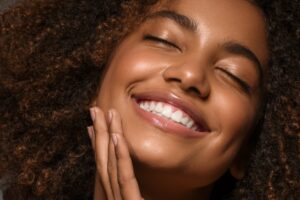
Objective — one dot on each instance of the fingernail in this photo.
(110, 115)
(114, 139)
(90, 130)
(93, 115)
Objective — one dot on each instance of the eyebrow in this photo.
(231, 46)
(180, 19)
(239, 49)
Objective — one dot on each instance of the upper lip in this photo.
(175, 100)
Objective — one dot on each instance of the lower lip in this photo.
(165, 124)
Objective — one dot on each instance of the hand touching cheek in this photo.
(114, 166)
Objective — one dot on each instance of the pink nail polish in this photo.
(90, 130)
(93, 115)
(114, 139)
(110, 115)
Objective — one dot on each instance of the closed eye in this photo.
(244, 86)
(161, 40)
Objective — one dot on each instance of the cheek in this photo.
(132, 65)
(127, 66)
(234, 118)
(236, 114)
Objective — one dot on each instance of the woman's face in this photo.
(187, 84)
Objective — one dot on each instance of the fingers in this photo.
(116, 124)
(128, 184)
(112, 164)
(101, 143)
(113, 160)
(91, 132)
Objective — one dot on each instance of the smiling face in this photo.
(187, 84)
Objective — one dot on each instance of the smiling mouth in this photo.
(170, 113)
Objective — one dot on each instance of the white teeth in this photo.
(184, 120)
(190, 124)
(176, 116)
(152, 105)
(142, 105)
(159, 107)
(147, 106)
(167, 111)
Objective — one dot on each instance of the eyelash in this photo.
(161, 40)
(244, 86)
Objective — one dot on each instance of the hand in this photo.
(114, 165)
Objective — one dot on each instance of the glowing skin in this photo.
(204, 70)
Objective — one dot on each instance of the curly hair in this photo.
(52, 54)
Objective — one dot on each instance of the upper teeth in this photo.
(168, 112)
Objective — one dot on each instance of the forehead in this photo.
(226, 20)
(228, 5)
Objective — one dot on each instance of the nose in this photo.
(190, 78)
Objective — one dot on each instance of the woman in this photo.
(185, 83)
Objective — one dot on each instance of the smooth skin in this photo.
(217, 66)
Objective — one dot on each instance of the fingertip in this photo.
(90, 131)
(110, 115)
(96, 110)
(93, 113)
(122, 151)
(117, 141)
(114, 139)
(115, 113)
(97, 116)
(116, 124)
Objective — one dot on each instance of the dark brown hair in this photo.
(52, 54)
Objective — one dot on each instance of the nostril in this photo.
(189, 81)
(200, 92)
(194, 90)
(203, 92)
